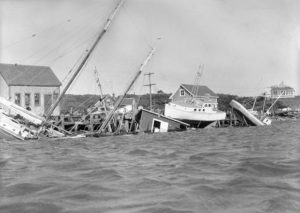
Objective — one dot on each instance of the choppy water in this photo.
(218, 170)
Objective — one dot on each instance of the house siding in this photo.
(177, 98)
(39, 110)
(286, 93)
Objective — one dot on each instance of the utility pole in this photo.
(150, 87)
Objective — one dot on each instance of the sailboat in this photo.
(32, 126)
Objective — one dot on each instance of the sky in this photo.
(244, 46)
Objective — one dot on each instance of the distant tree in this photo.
(160, 92)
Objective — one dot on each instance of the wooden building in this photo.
(32, 87)
(153, 122)
(283, 91)
(201, 93)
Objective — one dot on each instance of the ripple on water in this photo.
(22, 189)
(103, 175)
(30, 207)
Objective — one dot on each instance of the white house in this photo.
(32, 87)
(283, 91)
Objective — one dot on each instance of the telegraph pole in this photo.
(150, 87)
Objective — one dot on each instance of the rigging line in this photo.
(34, 35)
(82, 71)
(83, 32)
(77, 30)
(74, 49)
(62, 41)
(83, 103)
(129, 17)
(72, 68)
(66, 49)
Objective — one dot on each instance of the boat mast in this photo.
(119, 101)
(106, 26)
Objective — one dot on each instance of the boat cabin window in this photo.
(205, 105)
(195, 109)
(209, 105)
(18, 99)
(199, 110)
(182, 92)
(27, 99)
(203, 110)
(37, 99)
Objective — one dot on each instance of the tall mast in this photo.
(109, 117)
(106, 26)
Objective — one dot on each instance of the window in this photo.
(182, 93)
(27, 99)
(37, 99)
(18, 99)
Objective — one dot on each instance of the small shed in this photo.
(153, 122)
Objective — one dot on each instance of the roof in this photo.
(160, 115)
(28, 75)
(282, 86)
(127, 101)
(198, 90)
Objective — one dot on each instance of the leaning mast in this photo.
(106, 26)
(119, 101)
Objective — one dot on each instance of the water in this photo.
(254, 169)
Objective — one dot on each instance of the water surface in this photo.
(254, 169)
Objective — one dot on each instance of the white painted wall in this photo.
(32, 90)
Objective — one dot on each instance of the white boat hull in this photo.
(189, 114)
(247, 114)
(9, 128)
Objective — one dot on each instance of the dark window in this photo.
(18, 99)
(27, 99)
(182, 92)
(37, 99)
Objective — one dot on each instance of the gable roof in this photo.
(282, 86)
(198, 90)
(127, 101)
(28, 75)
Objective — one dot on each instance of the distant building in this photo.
(283, 91)
(33, 87)
(200, 93)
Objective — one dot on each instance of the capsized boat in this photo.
(11, 128)
(17, 122)
(250, 118)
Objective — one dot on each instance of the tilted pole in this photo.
(119, 101)
(106, 26)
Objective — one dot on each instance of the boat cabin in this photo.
(34, 88)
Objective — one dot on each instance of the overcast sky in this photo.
(245, 46)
